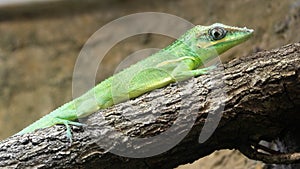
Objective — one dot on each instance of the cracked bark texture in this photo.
(257, 98)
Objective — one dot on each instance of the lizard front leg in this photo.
(186, 69)
(179, 76)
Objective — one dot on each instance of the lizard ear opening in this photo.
(217, 33)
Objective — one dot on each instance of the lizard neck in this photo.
(180, 48)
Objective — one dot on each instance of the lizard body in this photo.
(176, 62)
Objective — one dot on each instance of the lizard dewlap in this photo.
(178, 61)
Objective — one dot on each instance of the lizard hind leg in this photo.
(51, 120)
(67, 123)
(65, 115)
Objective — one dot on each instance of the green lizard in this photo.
(177, 62)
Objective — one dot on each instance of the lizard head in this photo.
(216, 39)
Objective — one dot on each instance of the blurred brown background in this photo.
(39, 44)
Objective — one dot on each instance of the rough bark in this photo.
(257, 98)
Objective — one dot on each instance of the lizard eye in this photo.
(217, 33)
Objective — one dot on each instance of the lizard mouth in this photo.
(239, 38)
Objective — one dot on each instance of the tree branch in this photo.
(257, 98)
(274, 158)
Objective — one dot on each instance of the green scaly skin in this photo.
(177, 62)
